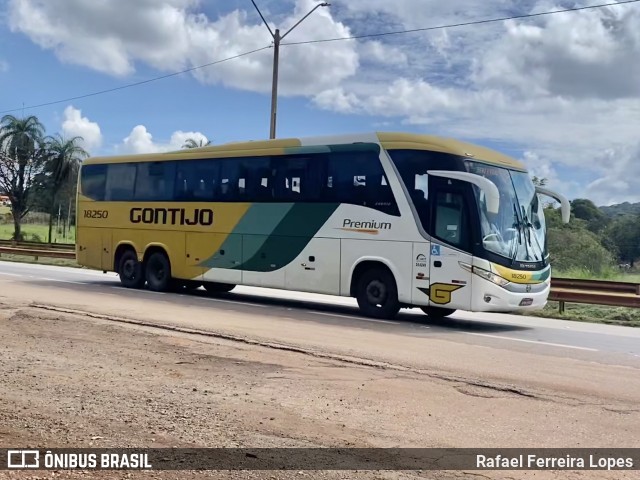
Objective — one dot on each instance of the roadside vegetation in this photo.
(628, 317)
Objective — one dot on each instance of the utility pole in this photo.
(277, 38)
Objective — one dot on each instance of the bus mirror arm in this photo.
(565, 207)
(489, 188)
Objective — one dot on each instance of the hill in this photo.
(625, 208)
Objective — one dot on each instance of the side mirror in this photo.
(487, 186)
(565, 207)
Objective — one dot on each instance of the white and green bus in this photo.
(395, 220)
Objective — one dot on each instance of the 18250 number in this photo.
(96, 214)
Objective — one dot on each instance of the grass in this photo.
(629, 317)
(37, 232)
(612, 274)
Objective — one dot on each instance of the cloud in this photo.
(169, 35)
(620, 181)
(74, 124)
(590, 54)
(563, 89)
(140, 140)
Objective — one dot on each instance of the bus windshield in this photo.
(517, 231)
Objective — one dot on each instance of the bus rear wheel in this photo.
(158, 272)
(130, 270)
(213, 287)
(438, 312)
(377, 293)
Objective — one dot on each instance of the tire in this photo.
(130, 270)
(158, 272)
(213, 287)
(377, 294)
(438, 312)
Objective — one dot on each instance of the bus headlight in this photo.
(492, 277)
(486, 274)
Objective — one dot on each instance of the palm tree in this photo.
(21, 159)
(192, 143)
(65, 157)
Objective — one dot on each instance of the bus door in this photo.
(450, 284)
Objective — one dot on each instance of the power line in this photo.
(463, 24)
(142, 82)
(354, 37)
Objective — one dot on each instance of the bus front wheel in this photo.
(130, 270)
(438, 312)
(158, 272)
(377, 293)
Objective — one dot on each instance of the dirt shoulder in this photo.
(74, 381)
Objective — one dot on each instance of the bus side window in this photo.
(358, 178)
(450, 220)
(121, 179)
(255, 179)
(298, 178)
(229, 180)
(94, 181)
(155, 181)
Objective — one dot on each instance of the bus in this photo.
(395, 220)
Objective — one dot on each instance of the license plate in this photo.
(526, 302)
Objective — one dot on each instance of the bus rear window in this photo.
(93, 180)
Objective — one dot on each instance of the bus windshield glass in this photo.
(517, 231)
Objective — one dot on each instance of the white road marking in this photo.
(11, 274)
(61, 281)
(532, 341)
(236, 302)
(350, 317)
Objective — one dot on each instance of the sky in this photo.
(560, 92)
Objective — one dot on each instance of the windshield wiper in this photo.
(517, 225)
(528, 228)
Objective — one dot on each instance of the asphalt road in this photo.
(604, 344)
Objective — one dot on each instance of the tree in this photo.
(62, 168)
(192, 143)
(539, 182)
(577, 248)
(586, 210)
(22, 158)
(625, 233)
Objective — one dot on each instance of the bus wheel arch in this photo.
(128, 267)
(375, 287)
(157, 269)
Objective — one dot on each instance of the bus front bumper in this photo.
(489, 297)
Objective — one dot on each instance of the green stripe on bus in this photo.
(258, 222)
(290, 237)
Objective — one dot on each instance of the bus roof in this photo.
(388, 140)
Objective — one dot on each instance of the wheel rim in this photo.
(157, 271)
(129, 269)
(376, 292)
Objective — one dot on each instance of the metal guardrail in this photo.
(39, 252)
(38, 245)
(594, 292)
